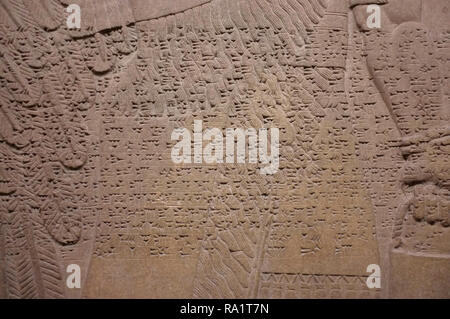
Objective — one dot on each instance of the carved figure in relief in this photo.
(408, 59)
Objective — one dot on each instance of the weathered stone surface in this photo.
(87, 178)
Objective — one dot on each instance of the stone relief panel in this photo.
(87, 175)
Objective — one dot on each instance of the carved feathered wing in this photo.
(232, 255)
(39, 146)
